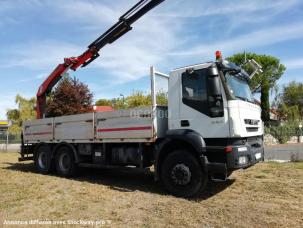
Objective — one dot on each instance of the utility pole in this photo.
(6, 139)
(123, 99)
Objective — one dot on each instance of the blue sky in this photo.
(35, 36)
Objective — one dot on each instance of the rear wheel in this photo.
(182, 174)
(65, 162)
(43, 161)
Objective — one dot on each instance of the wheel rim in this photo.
(64, 162)
(181, 174)
(42, 160)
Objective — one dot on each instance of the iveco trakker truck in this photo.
(210, 127)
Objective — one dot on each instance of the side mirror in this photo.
(214, 92)
(214, 82)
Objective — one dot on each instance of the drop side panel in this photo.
(125, 124)
(38, 130)
(74, 127)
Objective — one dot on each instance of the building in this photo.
(4, 125)
(103, 108)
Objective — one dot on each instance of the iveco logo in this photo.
(251, 122)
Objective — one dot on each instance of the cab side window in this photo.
(194, 90)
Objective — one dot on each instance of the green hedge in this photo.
(283, 132)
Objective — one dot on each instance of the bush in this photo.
(283, 132)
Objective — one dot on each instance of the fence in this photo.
(10, 138)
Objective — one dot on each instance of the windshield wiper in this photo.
(245, 99)
(242, 98)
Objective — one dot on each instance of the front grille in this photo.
(252, 129)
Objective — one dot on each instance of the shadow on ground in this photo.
(129, 180)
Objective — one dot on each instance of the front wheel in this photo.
(182, 174)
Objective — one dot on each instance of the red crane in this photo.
(111, 35)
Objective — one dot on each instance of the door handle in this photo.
(185, 123)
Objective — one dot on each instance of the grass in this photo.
(268, 194)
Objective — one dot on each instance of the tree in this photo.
(162, 98)
(103, 102)
(25, 111)
(70, 97)
(291, 101)
(272, 71)
(136, 99)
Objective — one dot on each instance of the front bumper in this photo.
(244, 156)
(224, 159)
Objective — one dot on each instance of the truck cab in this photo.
(214, 101)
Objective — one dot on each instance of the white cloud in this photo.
(90, 12)
(42, 55)
(5, 104)
(127, 59)
(8, 101)
(198, 8)
(36, 77)
(155, 37)
(292, 64)
(258, 38)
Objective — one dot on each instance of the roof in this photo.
(4, 124)
(206, 64)
(103, 108)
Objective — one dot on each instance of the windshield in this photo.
(239, 88)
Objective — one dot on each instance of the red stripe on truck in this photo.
(126, 129)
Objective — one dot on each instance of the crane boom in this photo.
(111, 35)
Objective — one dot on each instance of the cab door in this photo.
(201, 109)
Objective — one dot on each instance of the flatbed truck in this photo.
(209, 128)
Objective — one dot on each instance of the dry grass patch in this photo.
(268, 194)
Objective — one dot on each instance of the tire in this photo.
(43, 159)
(65, 162)
(182, 175)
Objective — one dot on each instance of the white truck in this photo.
(210, 127)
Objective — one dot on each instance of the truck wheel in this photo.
(182, 174)
(65, 162)
(43, 161)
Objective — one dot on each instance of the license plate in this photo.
(258, 156)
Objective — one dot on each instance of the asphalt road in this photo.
(284, 152)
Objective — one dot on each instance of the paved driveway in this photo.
(284, 152)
